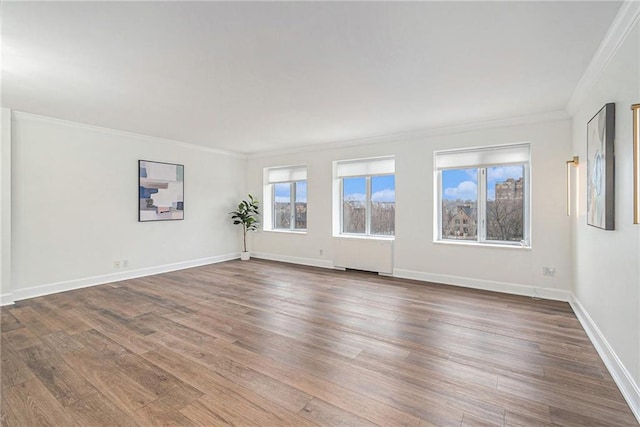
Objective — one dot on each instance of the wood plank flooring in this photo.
(270, 344)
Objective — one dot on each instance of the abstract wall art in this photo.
(161, 191)
(600, 168)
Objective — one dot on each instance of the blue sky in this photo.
(457, 184)
(462, 184)
(283, 192)
(383, 188)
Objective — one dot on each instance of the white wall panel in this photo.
(363, 254)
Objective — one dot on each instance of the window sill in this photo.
(287, 231)
(364, 237)
(483, 245)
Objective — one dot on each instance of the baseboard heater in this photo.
(363, 254)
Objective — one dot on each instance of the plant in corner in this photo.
(247, 216)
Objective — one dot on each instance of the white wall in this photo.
(415, 254)
(5, 207)
(75, 206)
(607, 263)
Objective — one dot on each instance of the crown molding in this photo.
(550, 116)
(619, 30)
(21, 115)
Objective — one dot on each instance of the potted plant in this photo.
(247, 216)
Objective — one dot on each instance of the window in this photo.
(286, 189)
(290, 205)
(367, 196)
(487, 189)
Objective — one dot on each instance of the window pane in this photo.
(383, 205)
(282, 205)
(505, 203)
(460, 204)
(301, 205)
(354, 206)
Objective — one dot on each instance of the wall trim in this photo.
(620, 28)
(20, 115)
(443, 279)
(6, 299)
(550, 116)
(486, 285)
(68, 285)
(312, 262)
(628, 387)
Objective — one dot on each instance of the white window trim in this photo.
(488, 244)
(385, 165)
(281, 175)
(482, 197)
(286, 231)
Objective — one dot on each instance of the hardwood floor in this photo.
(269, 344)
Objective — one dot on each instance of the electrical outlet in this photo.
(125, 263)
(548, 271)
(321, 252)
(116, 264)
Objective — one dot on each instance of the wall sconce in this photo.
(635, 108)
(573, 162)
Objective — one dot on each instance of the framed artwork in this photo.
(600, 168)
(636, 163)
(161, 191)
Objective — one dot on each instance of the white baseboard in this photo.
(293, 259)
(68, 285)
(6, 299)
(486, 285)
(627, 385)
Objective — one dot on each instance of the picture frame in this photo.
(600, 169)
(160, 191)
(635, 108)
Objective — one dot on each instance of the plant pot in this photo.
(244, 256)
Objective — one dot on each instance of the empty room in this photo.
(320, 213)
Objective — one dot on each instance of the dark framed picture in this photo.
(161, 191)
(600, 169)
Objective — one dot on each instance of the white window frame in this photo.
(354, 169)
(282, 175)
(487, 156)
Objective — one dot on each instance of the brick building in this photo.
(463, 223)
(511, 189)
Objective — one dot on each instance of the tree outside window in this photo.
(290, 205)
(368, 205)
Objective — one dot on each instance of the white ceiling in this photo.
(252, 77)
